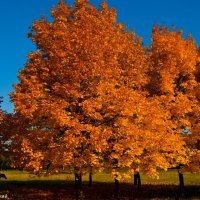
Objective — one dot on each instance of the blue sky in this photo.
(16, 17)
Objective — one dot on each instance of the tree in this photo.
(4, 139)
(192, 137)
(173, 68)
(137, 120)
(60, 97)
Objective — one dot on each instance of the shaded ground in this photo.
(62, 190)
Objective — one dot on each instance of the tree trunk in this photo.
(181, 183)
(78, 183)
(116, 188)
(181, 179)
(78, 180)
(137, 180)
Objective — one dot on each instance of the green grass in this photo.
(169, 177)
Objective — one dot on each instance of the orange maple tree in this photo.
(173, 73)
(193, 138)
(60, 89)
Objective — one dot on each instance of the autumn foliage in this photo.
(92, 97)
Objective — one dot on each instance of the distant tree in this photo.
(5, 162)
(3, 136)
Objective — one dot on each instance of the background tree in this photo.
(4, 138)
(172, 69)
(192, 138)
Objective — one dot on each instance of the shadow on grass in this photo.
(65, 190)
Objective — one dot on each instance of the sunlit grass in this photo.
(169, 177)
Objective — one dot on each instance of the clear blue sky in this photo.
(16, 17)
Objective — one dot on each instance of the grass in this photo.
(23, 185)
(169, 177)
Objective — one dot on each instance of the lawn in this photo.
(23, 185)
(165, 177)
